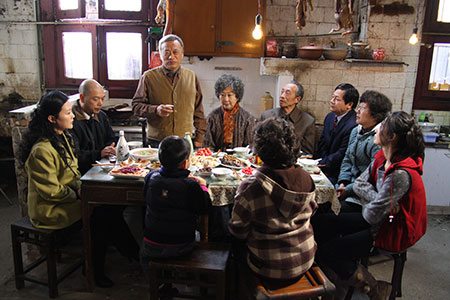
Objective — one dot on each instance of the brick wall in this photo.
(19, 64)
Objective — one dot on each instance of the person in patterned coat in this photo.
(272, 210)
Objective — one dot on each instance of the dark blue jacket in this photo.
(173, 202)
(333, 143)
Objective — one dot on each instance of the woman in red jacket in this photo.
(394, 207)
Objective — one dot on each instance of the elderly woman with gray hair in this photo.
(229, 125)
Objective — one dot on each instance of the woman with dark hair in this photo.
(394, 214)
(372, 109)
(48, 153)
(230, 125)
(273, 207)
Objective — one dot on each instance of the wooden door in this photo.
(195, 23)
(237, 19)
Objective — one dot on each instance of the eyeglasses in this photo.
(361, 108)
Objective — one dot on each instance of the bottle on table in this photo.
(431, 118)
(122, 150)
(426, 118)
(187, 136)
(422, 117)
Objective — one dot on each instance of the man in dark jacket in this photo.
(95, 139)
(95, 136)
(337, 126)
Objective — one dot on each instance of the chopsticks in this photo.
(237, 175)
(217, 153)
(102, 165)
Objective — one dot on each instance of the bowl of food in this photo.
(204, 172)
(144, 153)
(221, 173)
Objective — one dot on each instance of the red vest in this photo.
(410, 223)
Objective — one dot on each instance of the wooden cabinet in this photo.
(218, 27)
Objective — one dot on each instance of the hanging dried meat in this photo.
(302, 8)
(343, 14)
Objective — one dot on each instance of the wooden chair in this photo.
(312, 284)
(50, 241)
(397, 274)
(205, 267)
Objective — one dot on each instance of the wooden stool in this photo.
(49, 241)
(397, 274)
(312, 284)
(204, 267)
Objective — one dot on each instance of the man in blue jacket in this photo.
(337, 126)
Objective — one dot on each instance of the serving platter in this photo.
(138, 173)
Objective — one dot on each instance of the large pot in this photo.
(335, 53)
(360, 49)
(310, 52)
(289, 49)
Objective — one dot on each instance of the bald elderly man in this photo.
(91, 127)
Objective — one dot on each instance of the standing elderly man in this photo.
(96, 140)
(337, 126)
(170, 97)
(95, 136)
(291, 94)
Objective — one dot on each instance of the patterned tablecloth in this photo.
(222, 191)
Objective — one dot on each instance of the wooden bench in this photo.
(312, 284)
(50, 242)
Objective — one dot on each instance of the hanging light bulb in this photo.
(413, 39)
(257, 32)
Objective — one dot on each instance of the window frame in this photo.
(53, 60)
(433, 32)
(121, 88)
(80, 12)
(142, 15)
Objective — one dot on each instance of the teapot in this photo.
(359, 49)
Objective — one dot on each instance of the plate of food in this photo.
(255, 161)
(246, 171)
(202, 161)
(128, 172)
(154, 165)
(316, 177)
(203, 152)
(231, 161)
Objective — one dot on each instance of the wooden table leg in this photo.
(87, 239)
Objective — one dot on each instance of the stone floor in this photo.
(426, 274)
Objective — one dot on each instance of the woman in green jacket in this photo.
(52, 167)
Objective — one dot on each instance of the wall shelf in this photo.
(371, 61)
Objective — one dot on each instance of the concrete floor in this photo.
(426, 274)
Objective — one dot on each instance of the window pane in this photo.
(440, 68)
(77, 48)
(68, 4)
(444, 11)
(120, 5)
(124, 55)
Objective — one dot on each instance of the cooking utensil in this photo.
(335, 53)
(237, 175)
(359, 49)
(289, 49)
(310, 52)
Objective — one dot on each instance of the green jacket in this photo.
(52, 187)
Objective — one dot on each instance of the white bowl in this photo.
(242, 150)
(221, 173)
(134, 144)
(144, 153)
(308, 162)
